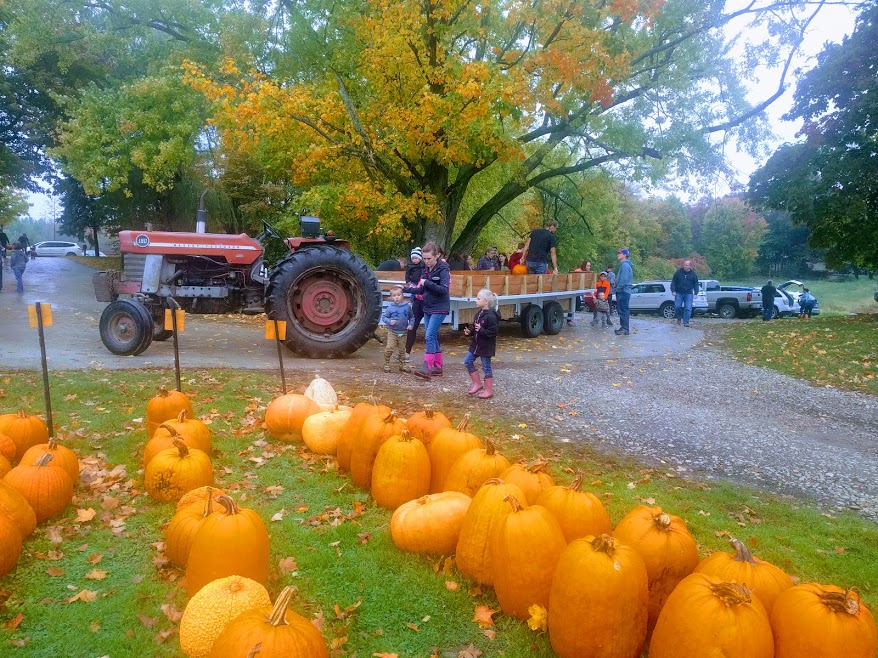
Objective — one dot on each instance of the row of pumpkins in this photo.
(536, 543)
(510, 526)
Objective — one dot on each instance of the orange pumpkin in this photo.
(667, 549)
(401, 471)
(182, 529)
(198, 497)
(430, 524)
(705, 616)
(164, 438)
(286, 414)
(579, 512)
(447, 446)
(488, 509)
(375, 431)
(7, 448)
(10, 544)
(425, 424)
(186, 426)
(48, 490)
(271, 633)
(763, 579)
(531, 478)
(233, 542)
(63, 457)
(167, 405)
(5, 466)
(351, 432)
(321, 431)
(16, 507)
(598, 600)
(525, 548)
(474, 468)
(174, 471)
(519, 269)
(25, 431)
(822, 621)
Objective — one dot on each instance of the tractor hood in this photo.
(235, 249)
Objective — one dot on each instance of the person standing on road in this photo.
(4, 240)
(18, 263)
(624, 285)
(540, 246)
(684, 286)
(24, 241)
(434, 286)
(768, 294)
(412, 277)
(483, 345)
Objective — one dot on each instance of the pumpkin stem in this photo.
(428, 413)
(604, 544)
(742, 553)
(257, 648)
(170, 429)
(662, 521)
(22, 413)
(731, 593)
(490, 448)
(576, 485)
(208, 505)
(492, 481)
(44, 460)
(423, 500)
(461, 426)
(390, 417)
(278, 616)
(179, 445)
(537, 465)
(53, 444)
(841, 602)
(163, 392)
(405, 435)
(228, 503)
(182, 416)
(512, 500)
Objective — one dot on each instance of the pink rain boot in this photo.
(425, 371)
(489, 389)
(477, 383)
(437, 364)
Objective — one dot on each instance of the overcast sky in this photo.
(831, 25)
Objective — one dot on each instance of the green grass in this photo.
(99, 262)
(839, 296)
(834, 351)
(343, 558)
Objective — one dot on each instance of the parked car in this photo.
(791, 291)
(655, 297)
(57, 248)
(731, 301)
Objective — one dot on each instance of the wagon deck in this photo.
(538, 301)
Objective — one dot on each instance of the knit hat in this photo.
(416, 253)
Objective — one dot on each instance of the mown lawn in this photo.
(828, 351)
(101, 587)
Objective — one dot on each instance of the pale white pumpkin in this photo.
(322, 430)
(321, 392)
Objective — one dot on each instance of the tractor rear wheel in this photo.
(329, 298)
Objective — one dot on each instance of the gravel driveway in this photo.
(666, 395)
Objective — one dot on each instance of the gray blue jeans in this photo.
(470, 362)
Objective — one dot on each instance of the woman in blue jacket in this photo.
(436, 304)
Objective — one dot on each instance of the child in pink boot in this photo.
(483, 345)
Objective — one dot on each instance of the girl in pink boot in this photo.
(483, 345)
(433, 285)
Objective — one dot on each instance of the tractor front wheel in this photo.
(126, 327)
(328, 297)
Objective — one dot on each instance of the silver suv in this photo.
(655, 297)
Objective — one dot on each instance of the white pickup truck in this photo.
(731, 301)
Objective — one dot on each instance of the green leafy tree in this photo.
(731, 235)
(394, 107)
(828, 182)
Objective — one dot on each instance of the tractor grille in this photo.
(132, 267)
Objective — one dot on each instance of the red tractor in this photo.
(329, 298)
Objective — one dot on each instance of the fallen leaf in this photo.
(95, 626)
(484, 616)
(94, 558)
(149, 622)
(451, 586)
(288, 565)
(84, 515)
(414, 627)
(13, 623)
(55, 572)
(171, 612)
(386, 655)
(96, 574)
(470, 652)
(539, 618)
(490, 634)
(86, 596)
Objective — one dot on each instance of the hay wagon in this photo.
(539, 302)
